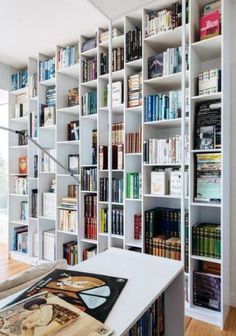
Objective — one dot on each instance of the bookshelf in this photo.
(103, 227)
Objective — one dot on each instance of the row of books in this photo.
(34, 203)
(47, 115)
(134, 185)
(135, 90)
(117, 157)
(23, 138)
(164, 20)
(20, 185)
(168, 181)
(20, 239)
(208, 125)
(73, 97)
(89, 252)
(117, 94)
(73, 130)
(47, 164)
(94, 146)
(50, 96)
(208, 178)
(103, 189)
(133, 44)
(206, 240)
(186, 243)
(21, 106)
(90, 206)
(104, 220)
(118, 133)
(89, 69)
(165, 246)
(104, 35)
(209, 82)
(68, 220)
(117, 221)
(167, 62)
(210, 20)
(164, 106)
(117, 61)
(33, 85)
(165, 151)
(137, 226)
(153, 320)
(117, 190)
(89, 179)
(19, 80)
(47, 69)
(67, 56)
(133, 141)
(89, 103)
(103, 157)
(70, 252)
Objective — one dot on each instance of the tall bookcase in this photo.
(203, 55)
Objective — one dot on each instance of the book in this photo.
(94, 146)
(95, 294)
(47, 69)
(133, 44)
(19, 80)
(210, 21)
(159, 183)
(117, 222)
(89, 103)
(90, 217)
(49, 116)
(209, 82)
(35, 166)
(20, 239)
(23, 165)
(89, 69)
(133, 141)
(117, 190)
(67, 56)
(89, 179)
(34, 203)
(103, 157)
(73, 131)
(49, 247)
(21, 106)
(49, 205)
(133, 185)
(117, 94)
(70, 252)
(73, 163)
(104, 34)
(104, 220)
(89, 252)
(135, 90)
(68, 218)
(137, 226)
(73, 97)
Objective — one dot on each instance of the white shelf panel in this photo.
(19, 91)
(91, 84)
(48, 128)
(23, 147)
(166, 82)
(136, 109)
(162, 196)
(90, 116)
(208, 49)
(47, 218)
(133, 154)
(21, 120)
(135, 64)
(117, 203)
(16, 174)
(103, 234)
(72, 71)
(134, 243)
(118, 108)
(162, 164)
(166, 123)
(67, 232)
(116, 75)
(89, 191)
(209, 205)
(70, 110)
(47, 173)
(88, 166)
(69, 143)
(103, 202)
(117, 236)
(116, 42)
(49, 82)
(90, 53)
(207, 97)
(133, 199)
(204, 314)
(91, 241)
(19, 222)
(33, 219)
(206, 151)
(33, 178)
(19, 195)
(168, 38)
(217, 261)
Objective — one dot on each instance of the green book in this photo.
(128, 185)
(218, 242)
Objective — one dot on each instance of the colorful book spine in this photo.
(89, 103)
(89, 179)
(134, 185)
(89, 69)
(90, 217)
(47, 69)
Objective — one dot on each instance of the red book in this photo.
(23, 165)
(210, 25)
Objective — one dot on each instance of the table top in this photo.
(148, 276)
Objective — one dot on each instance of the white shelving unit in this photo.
(203, 55)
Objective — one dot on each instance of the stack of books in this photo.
(133, 141)
(47, 69)
(209, 82)
(104, 35)
(135, 90)
(134, 185)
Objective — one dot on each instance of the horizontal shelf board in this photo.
(43, 172)
(70, 110)
(165, 82)
(135, 64)
(68, 175)
(19, 195)
(12, 252)
(133, 199)
(210, 205)
(118, 108)
(19, 222)
(206, 150)
(116, 236)
(89, 191)
(103, 170)
(104, 234)
(91, 84)
(133, 154)
(162, 196)
(166, 123)
(49, 82)
(19, 147)
(68, 142)
(21, 120)
(59, 207)
(116, 75)
(33, 219)
(17, 174)
(34, 98)
(47, 218)
(204, 314)
(33, 178)
(116, 42)
(134, 243)
(136, 109)
(48, 128)
(86, 240)
(217, 261)
(68, 233)
(90, 52)
(90, 116)
(19, 91)
(104, 108)
(167, 38)
(116, 203)
(207, 97)
(88, 166)
(208, 49)
(163, 164)
(103, 202)
(118, 170)
(72, 71)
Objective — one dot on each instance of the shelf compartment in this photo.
(166, 82)
(116, 42)
(21, 120)
(166, 123)
(49, 82)
(70, 110)
(207, 97)
(214, 260)
(91, 84)
(72, 71)
(208, 49)
(90, 52)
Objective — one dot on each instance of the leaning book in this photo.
(48, 315)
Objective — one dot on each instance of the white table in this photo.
(148, 277)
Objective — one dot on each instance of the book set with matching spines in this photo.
(153, 320)
(34, 203)
(160, 21)
(104, 220)
(70, 252)
(89, 69)
(47, 69)
(90, 217)
(137, 226)
(117, 190)
(118, 146)
(133, 44)
(135, 90)
(19, 80)
(206, 240)
(89, 252)
(89, 179)
(209, 82)
(103, 189)
(167, 63)
(133, 185)
(117, 61)
(67, 56)
(73, 97)
(117, 222)
(89, 103)
(133, 142)
(103, 157)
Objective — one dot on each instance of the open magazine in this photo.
(46, 315)
(94, 294)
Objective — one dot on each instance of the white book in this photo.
(49, 245)
(49, 205)
(158, 183)
(175, 183)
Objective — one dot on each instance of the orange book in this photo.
(23, 165)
